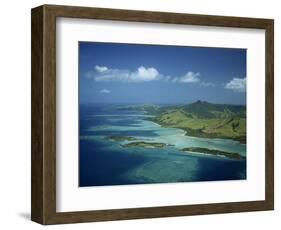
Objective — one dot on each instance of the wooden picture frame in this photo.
(43, 208)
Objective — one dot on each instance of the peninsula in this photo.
(201, 119)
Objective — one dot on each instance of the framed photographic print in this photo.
(141, 114)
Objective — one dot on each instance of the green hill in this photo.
(203, 119)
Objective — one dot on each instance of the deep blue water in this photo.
(106, 162)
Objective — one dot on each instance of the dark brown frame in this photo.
(43, 199)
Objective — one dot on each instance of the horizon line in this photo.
(157, 103)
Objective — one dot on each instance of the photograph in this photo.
(141, 114)
(161, 114)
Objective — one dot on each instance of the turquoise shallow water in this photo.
(106, 162)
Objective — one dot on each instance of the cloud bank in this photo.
(237, 85)
(142, 74)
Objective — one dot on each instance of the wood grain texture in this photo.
(269, 116)
(44, 114)
(37, 115)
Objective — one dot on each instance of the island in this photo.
(214, 152)
(201, 119)
(142, 144)
(120, 138)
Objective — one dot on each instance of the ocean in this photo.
(104, 161)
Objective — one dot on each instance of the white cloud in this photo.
(105, 91)
(111, 75)
(189, 77)
(101, 69)
(142, 74)
(237, 85)
(145, 74)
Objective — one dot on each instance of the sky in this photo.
(116, 73)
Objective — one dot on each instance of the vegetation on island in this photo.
(142, 144)
(201, 119)
(214, 152)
